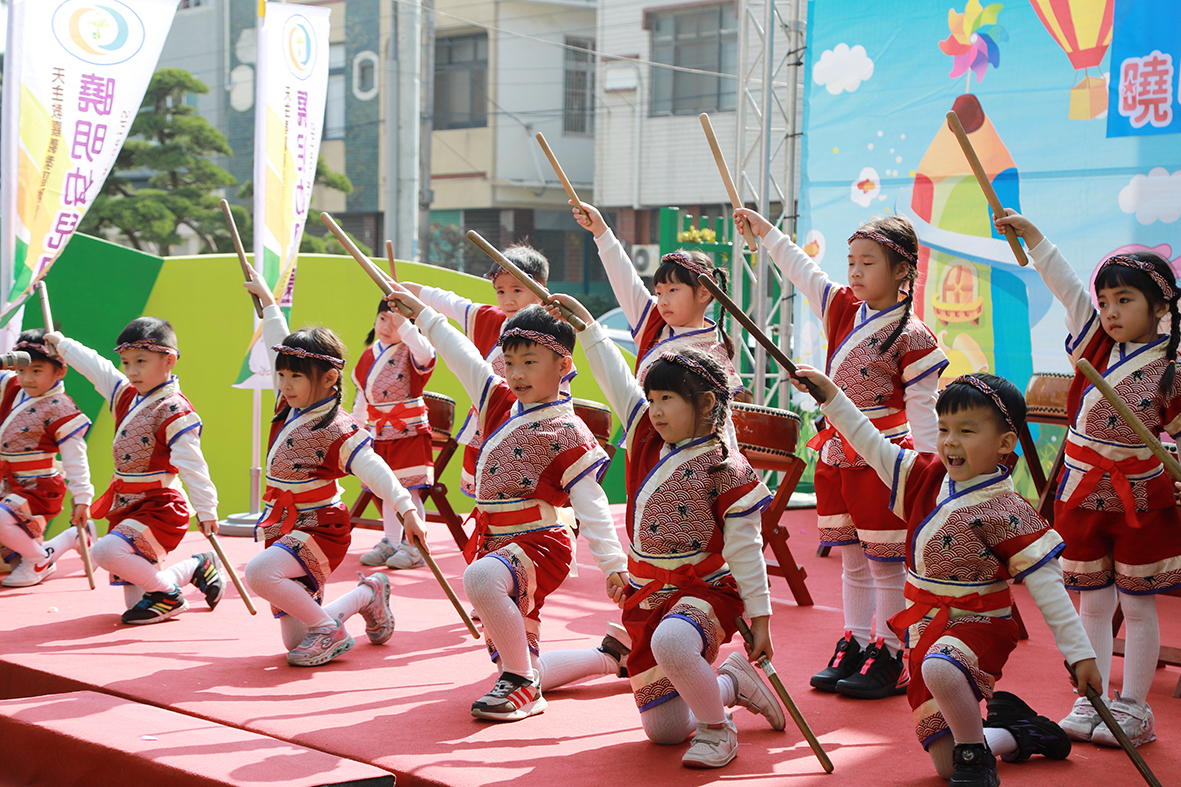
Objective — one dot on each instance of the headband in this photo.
(699, 370)
(1127, 262)
(685, 261)
(878, 237)
(537, 337)
(39, 347)
(492, 274)
(988, 391)
(299, 352)
(147, 344)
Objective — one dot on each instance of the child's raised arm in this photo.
(629, 289)
(105, 376)
(1063, 282)
(797, 266)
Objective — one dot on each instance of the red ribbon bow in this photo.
(925, 601)
(682, 578)
(1101, 466)
(283, 506)
(393, 417)
(484, 519)
(101, 507)
(826, 434)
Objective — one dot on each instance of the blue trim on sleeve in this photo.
(85, 430)
(1055, 552)
(936, 368)
(759, 506)
(348, 466)
(584, 473)
(894, 484)
(187, 429)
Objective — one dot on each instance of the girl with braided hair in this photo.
(1114, 503)
(696, 555)
(888, 363)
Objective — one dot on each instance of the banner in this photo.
(1146, 69)
(288, 126)
(75, 75)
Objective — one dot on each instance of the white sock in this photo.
(270, 575)
(351, 603)
(489, 586)
(559, 667)
(888, 579)
(15, 538)
(1142, 646)
(391, 528)
(669, 723)
(955, 698)
(857, 592)
(182, 572)
(676, 645)
(113, 553)
(1000, 741)
(1096, 608)
(61, 543)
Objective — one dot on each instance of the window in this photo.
(191, 4)
(461, 82)
(578, 111)
(365, 75)
(700, 37)
(334, 126)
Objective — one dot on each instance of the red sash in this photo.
(826, 434)
(925, 601)
(1100, 466)
(684, 578)
(102, 506)
(393, 416)
(8, 472)
(284, 506)
(484, 519)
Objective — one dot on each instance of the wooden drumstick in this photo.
(998, 210)
(430, 561)
(1122, 737)
(225, 563)
(379, 278)
(785, 698)
(751, 242)
(389, 253)
(524, 278)
(762, 338)
(1125, 412)
(247, 270)
(553, 160)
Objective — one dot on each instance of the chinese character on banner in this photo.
(1146, 90)
(88, 140)
(64, 225)
(75, 188)
(96, 94)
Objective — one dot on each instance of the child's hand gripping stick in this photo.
(1125, 743)
(746, 322)
(247, 270)
(521, 276)
(953, 122)
(786, 699)
(379, 278)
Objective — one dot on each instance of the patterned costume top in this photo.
(32, 431)
(1107, 467)
(390, 384)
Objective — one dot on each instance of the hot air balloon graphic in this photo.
(1083, 29)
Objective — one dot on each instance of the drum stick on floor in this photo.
(247, 270)
(786, 699)
(754, 330)
(553, 160)
(1125, 412)
(389, 254)
(735, 200)
(225, 563)
(430, 561)
(953, 122)
(380, 279)
(1125, 743)
(541, 292)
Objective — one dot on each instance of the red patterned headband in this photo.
(1147, 267)
(686, 261)
(537, 337)
(300, 352)
(39, 347)
(149, 345)
(878, 237)
(495, 272)
(699, 370)
(987, 390)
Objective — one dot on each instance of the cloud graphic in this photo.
(1154, 196)
(867, 186)
(842, 68)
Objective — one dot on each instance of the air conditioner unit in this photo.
(646, 258)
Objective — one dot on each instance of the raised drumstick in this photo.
(553, 160)
(736, 201)
(504, 262)
(247, 270)
(380, 279)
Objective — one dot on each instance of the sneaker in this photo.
(973, 765)
(208, 579)
(1034, 734)
(846, 660)
(713, 746)
(406, 556)
(514, 697)
(382, 551)
(1134, 717)
(155, 607)
(618, 645)
(379, 618)
(321, 645)
(1082, 720)
(30, 572)
(750, 690)
(880, 675)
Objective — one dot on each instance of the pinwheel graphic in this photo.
(973, 39)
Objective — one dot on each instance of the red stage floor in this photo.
(404, 706)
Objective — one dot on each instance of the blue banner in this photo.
(1145, 83)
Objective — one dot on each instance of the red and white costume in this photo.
(533, 460)
(482, 324)
(303, 512)
(965, 541)
(157, 445)
(1114, 504)
(896, 391)
(696, 537)
(390, 380)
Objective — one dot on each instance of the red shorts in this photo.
(869, 520)
(411, 458)
(319, 541)
(1101, 548)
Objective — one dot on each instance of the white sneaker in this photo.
(407, 556)
(751, 692)
(713, 746)
(29, 573)
(381, 552)
(1082, 720)
(1134, 717)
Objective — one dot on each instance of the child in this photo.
(537, 455)
(389, 378)
(888, 363)
(157, 445)
(1114, 504)
(696, 559)
(968, 532)
(483, 325)
(37, 421)
(306, 527)
(673, 318)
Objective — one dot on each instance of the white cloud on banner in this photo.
(1154, 196)
(842, 68)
